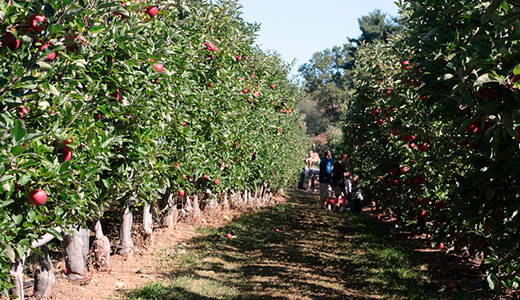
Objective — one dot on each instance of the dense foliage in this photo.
(106, 103)
(433, 127)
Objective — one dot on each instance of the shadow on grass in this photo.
(294, 250)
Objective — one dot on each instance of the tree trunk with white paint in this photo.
(196, 207)
(225, 202)
(44, 275)
(16, 273)
(125, 233)
(75, 257)
(147, 229)
(101, 249)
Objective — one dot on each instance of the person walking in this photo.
(313, 167)
(339, 172)
(347, 200)
(325, 177)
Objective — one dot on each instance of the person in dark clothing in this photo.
(339, 172)
(325, 177)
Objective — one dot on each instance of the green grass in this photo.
(316, 254)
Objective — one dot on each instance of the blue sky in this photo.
(296, 29)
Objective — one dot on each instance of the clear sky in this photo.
(296, 29)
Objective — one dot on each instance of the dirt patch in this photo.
(146, 264)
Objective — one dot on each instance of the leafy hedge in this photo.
(123, 102)
(434, 127)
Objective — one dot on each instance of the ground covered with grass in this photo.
(293, 250)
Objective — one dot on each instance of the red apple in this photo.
(11, 42)
(35, 20)
(211, 47)
(22, 111)
(411, 145)
(216, 181)
(239, 57)
(38, 197)
(245, 91)
(158, 67)
(210, 84)
(277, 230)
(70, 43)
(377, 112)
(229, 236)
(404, 169)
(67, 153)
(151, 11)
(405, 64)
(517, 133)
(50, 56)
(181, 193)
(272, 86)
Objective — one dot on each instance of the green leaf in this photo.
(43, 65)
(55, 233)
(490, 10)
(482, 79)
(24, 179)
(48, 10)
(17, 219)
(8, 251)
(19, 130)
(6, 203)
(17, 150)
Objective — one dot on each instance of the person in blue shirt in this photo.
(325, 177)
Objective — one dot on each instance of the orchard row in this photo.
(110, 104)
(434, 127)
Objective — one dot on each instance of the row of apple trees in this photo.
(104, 104)
(434, 127)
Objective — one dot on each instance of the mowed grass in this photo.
(314, 254)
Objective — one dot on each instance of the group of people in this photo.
(335, 181)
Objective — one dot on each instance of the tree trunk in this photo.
(44, 275)
(196, 207)
(75, 260)
(101, 248)
(212, 207)
(125, 233)
(246, 196)
(169, 206)
(225, 202)
(16, 272)
(147, 230)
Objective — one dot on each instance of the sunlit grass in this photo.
(314, 254)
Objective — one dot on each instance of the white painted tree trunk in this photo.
(225, 202)
(75, 256)
(147, 230)
(246, 197)
(16, 272)
(170, 209)
(196, 207)
(101, 248)
(212, 207)
(125, 233)
(44, 275)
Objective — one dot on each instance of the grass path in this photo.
(293, 251)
